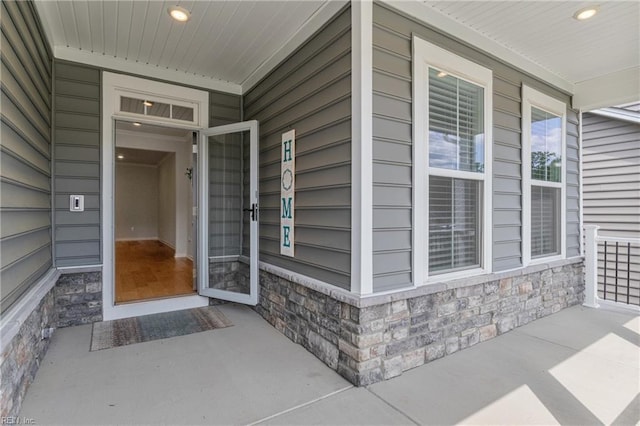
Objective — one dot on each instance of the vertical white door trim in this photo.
(110, 83)
(361, 147)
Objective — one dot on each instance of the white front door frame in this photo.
(111, 84)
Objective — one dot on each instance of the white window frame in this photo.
(533, 98)
(427, 55)
(151, 97)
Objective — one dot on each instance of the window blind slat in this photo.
(453, 223)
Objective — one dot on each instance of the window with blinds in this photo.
(456, 123)
(452, 130)
(546, 170)
(454, 224)
(456, 144)
(545, 211)
(543, 175)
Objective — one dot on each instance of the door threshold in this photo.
(151, 299)
(155, 306)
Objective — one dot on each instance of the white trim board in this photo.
(618, 114)
(362, 147)
(122, 65)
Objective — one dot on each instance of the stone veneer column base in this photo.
(78, 298)
(21, 357)
(75, 299)
(373, 339)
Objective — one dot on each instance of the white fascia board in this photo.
(306, 30)
(435, 19)
(118, 64)
(618, 114)
(620, 87)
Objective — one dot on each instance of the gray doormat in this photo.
(109, 334)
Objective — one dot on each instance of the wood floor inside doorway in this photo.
(149, 270)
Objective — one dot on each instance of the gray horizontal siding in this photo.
(77, 154)
(611, 181)
(25, 152)
(224, 235)
(573, 184)
(611, 191)
(392, 149)
(224, 108)
(310, 92)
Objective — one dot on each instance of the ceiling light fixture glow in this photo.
(178, 13)
(147, 103)
(137, 124)
(442, 74)
(586, 13)
(120, 157)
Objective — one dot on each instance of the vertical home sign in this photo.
(287, 192)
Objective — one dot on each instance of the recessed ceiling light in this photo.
(147, 103)
(179, 13)
(137, 124)
(586, 13)
(120, 157)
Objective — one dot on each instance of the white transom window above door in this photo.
(137, 99)
(452, 165)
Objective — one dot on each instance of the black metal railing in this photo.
(619, 270)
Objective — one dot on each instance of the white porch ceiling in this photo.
(230, 44)
(597, 60)
(226, 42)
(546, 33)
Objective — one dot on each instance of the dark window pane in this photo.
(454, 224)
(545, 221)
(159, 109)
(182, 113)
(546, 146)
(133, 105)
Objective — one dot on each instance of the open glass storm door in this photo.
(228, 213)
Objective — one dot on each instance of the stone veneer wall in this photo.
(75, 299)
(373, 339)
(78, 298)
(21, 357)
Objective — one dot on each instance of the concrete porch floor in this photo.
(579, 366)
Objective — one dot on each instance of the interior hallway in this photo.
(148, 270)
(579, 366)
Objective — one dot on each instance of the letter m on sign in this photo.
(286, 208)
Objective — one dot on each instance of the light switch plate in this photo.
(76, 203)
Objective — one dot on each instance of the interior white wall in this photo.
(136, 202)
(183, 153)
(167, 200)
